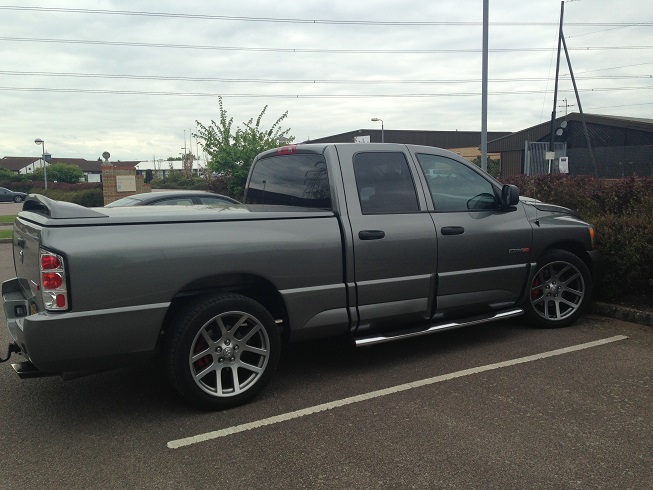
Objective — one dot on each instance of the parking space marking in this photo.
(188, 441)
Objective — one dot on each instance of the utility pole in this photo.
(566, 105)
(555, 91)
(486, 8)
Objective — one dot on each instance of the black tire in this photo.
(240, 344)
(18, 199)
(560, 290)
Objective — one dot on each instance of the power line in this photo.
(300, 81)
(309, 21)
(311, 96)
(614, 67)
(307, 50)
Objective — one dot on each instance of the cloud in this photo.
(331, 86)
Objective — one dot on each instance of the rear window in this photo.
(290, 180)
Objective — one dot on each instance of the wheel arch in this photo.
(573, 247)
(254, 287)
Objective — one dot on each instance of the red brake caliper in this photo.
(534, 292)
(204, 361)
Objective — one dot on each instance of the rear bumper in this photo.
(81, 341)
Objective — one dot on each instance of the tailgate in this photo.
(26, 244)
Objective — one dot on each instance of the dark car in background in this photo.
(172, 198)
(7, 195)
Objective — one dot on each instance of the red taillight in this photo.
(51, 280)
(49, 262)
(61, 300)
(54, 287)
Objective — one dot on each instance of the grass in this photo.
(6, 233)
(7, 219)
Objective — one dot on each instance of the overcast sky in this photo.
(89, 77)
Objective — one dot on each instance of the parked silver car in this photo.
(172, 198)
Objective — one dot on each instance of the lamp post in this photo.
(376, 119)
(39, 141)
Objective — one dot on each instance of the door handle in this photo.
(452, 230)
(21, 242)
(371, 234)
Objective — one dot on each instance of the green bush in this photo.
(90, 198)
(621, 211)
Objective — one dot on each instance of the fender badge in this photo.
(519, 250)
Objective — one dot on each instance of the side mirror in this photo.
(509, 195)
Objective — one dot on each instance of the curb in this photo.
(623, 313)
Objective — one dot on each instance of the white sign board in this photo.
(126, 183)
(563, 165)
(362, 139)
(550, 155)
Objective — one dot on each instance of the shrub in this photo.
(626, 243)
(90, 198)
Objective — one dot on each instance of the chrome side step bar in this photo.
(438, 327)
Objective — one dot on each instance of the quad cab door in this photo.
(483, 248)
(393, 237)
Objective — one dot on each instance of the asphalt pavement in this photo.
(499, 406)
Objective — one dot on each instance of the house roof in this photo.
(536, 133)
(441, 139)
(18, 163)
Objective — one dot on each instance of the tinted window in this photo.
(384, 183)
(454, 186)
(290, 180)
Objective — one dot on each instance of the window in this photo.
(299, 179)
(213, 200)
(174, 201)
(454, 186)
(384, 183)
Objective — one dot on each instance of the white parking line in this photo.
(187, 441)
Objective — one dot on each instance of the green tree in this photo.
(60, 172)
(493, 166)
(10, 176)
(232, 150)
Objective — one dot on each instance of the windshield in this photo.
(125, 201)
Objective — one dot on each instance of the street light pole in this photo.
(376, 119)
(39, 141)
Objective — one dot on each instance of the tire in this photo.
(18, 199)
(222, 351)
(560, 290)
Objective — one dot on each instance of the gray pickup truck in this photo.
(377, 242)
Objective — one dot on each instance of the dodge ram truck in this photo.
(378, 242)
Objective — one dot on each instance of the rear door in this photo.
(483, 250)
(394, 241)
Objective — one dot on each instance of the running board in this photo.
(439, 327)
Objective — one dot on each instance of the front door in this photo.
(483, 250)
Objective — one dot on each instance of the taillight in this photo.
(50, 261)
(286, 150)
(53, 281)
